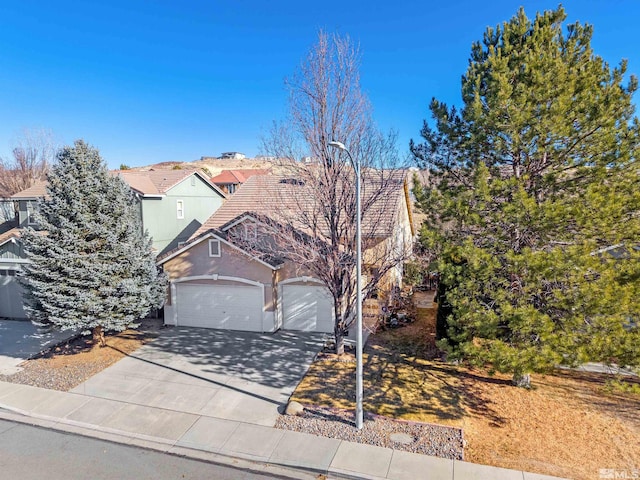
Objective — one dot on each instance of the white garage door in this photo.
(220, 306)
(307, 308)
(10, 295)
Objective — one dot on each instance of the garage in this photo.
(308, 308)
(228, 307)
(10, 295)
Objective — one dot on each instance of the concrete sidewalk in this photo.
(257, 447)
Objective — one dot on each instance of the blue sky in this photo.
(147, 82)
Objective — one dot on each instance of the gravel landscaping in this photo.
(65, 366)
(424, 438)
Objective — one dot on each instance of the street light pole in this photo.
(359, 389)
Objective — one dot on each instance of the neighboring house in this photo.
(173, 203)
(7, 209)
(232, 156)
(229, 180)
(12, 258)
(215, 283)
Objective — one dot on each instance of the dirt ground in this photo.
(67, 365)
(570, 424)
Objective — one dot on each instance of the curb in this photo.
(156, 444)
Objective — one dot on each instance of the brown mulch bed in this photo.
(66, 365)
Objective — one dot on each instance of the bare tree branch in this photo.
(32, 155)
(314, 203)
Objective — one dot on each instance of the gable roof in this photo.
(255, 196)
(8, 231)
(35, 191)
(265, 259)
(148, 183)
(159, 182)
(237, 176)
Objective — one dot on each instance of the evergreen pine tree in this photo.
(91, 265)
(534, 179)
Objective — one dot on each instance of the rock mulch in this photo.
(65, 366)
(44, 374)
(424, 438)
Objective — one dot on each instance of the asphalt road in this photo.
(28, 452)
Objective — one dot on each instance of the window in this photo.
(250, 230)
(31, 208)
(214, 248)
(193, 180)
(180, 209)
(181, 244)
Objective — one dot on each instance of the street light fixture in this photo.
(359, 389)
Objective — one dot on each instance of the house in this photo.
(229, 180)
(215, 282)
(11, 258)
(232, 156)
(173, 203)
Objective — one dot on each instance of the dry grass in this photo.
(568, 425)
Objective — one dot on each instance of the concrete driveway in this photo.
(239, 376)
(21, 339)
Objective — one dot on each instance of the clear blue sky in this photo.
(147, 82)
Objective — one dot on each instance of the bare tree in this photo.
(31, 157)
(313, 203)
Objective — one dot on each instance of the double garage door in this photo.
(308, 308)
(228, 307)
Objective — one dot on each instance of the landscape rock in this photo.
(294, 408)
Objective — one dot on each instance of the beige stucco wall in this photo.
(196, 262)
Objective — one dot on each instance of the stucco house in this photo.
(173, 203)
(216, 282)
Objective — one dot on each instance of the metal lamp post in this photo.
(359, 389)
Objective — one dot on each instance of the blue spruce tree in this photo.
(91, 265)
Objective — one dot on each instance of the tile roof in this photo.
(150, 182)
(37, 190)
(268, 195)
(158, 182)
(237, 176)
(8, 230)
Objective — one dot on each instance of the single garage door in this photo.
(220, 306)
(307, 307)
(10, 295)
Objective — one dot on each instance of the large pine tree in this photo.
(534, 179)
(91, 265)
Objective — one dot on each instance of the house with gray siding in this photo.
(12, 258)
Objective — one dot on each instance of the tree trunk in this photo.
(339, 341)
(98, 336)
(522, 380)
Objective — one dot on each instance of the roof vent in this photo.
(292, 181)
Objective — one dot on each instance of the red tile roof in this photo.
(237, 176)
